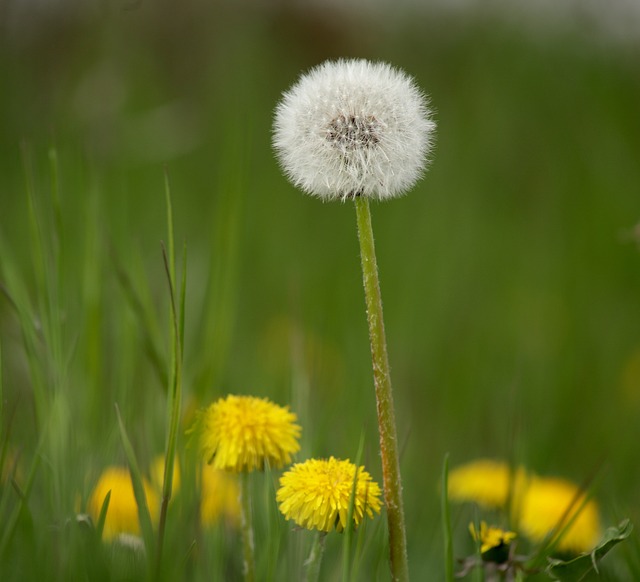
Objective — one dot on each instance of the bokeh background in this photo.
(510, 274)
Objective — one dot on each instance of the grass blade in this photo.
(175, 389)
(138, 490)
(446, 522)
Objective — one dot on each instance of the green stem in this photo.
(315, 557)
(384, 396)
(446, 522)
(175, 389)
(248, 545)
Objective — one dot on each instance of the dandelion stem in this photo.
(248, 546)
(315, 557)
(384, 395)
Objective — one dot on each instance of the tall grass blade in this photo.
(24, 494)
(446, 523)
(102, 517)
(144, 516)
(175, 390)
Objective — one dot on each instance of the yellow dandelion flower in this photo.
(122, 514)
(488, 483)
(492, 539)
(219, 497)
(316, 494)
(550, 504)
(242, 433)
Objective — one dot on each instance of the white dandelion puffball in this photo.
(353, 128)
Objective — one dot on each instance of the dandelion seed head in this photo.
(353, 128)
(316, 494)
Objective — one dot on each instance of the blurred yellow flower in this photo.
(316, 494)
(122, 515)
(219, 497)
(539, 506)
(243, 433)
(550, 504)
(488, 483)
(491, 537)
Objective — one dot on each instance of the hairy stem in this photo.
(384, 396)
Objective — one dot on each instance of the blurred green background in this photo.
(510, 274)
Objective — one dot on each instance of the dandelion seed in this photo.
(353, 128)
(243, 433)
(122, 514)
(316, 494)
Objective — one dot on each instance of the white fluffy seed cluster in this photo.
(353, 128)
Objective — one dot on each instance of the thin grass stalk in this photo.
(45, 248)
(446, 523)
(28, 320)
(246, 524)
(478, 571)
(174, 419)
(384, 396)
(102, 517)
(54, 170)
(144, 516)
(4, 443)
(8, 528)
(175, 390)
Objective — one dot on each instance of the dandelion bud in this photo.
(353, 128)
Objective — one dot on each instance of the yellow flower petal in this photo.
(491, 537)
(316, 494)
(243, 433)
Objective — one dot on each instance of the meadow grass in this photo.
(510, 278)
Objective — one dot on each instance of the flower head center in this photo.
(352, 132)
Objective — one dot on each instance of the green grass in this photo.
(509, 278)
